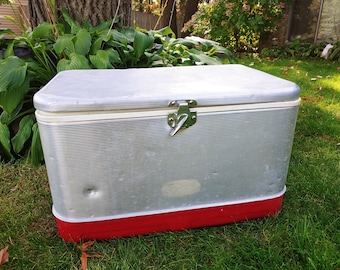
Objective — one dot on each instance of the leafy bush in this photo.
(334, 53)
(238, 25)
(302, 49)
(32, 59)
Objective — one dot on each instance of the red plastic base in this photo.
(172, 221)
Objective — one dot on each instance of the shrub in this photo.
(31, 60)
(238, 25)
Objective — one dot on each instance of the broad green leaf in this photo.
(6, 31)
(76, 61)
(158, 63)
(9, 51)
(97, 44)
(101, 60)
(64, 44)
(221, 49)
(205, 42)
(86, 24)
(24, 133)
(6, 118)
(116, 44)
(98, 39)
(42, 74)
(36, 154)
(201, 58)
(120, 37)
(184, 42)
(141, 43)
(103, 26)
(12, 73)
(128, 33)
(113, 56)
(73, 25)
(11, 99)
(166, 31)
(5, 142)
(42, 30)
(82, 42)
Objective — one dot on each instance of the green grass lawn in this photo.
(305, 235)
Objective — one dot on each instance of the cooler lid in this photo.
(143, 88)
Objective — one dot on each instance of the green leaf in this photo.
(101, 60)
(9, 51)
(42, 74)
(14, 83)
(76, 61)
(42, 30)
(166, 31)
(11, 99)
(184, 42)
(12, 73)
(9, 18)
(7, 119)
(73, 25)
(98, 42)
(5, 142)
(103, 26)
(96, 45)
(201, 58)
(113, 56)
(128, 34)
(36, 154)
(6, 31)
(24, 133)
(82, 42)
(205, 42)
(141, 43)
(64, 44)
(121, 38)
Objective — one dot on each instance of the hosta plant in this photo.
(303, 49)
(29, 61)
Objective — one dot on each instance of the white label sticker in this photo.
(181, 188)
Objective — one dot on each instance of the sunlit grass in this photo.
(305, 235)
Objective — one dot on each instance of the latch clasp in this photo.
(184, 118)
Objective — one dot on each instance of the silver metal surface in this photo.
(114, 168)
(111, 164)
(181, 121)
(93, 90)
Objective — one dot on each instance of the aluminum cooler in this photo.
(138, 151)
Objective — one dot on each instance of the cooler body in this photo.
(132, 169)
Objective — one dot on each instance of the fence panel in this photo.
(146, 21)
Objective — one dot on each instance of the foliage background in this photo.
(29, 61)
(238, 25)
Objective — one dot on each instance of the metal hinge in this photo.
(184, 118)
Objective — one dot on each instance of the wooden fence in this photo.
(138, 19)
(146, 21)
(17, 12)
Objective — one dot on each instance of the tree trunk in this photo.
(37, 12)
(92, 10)
(170, 15)
(190, 9)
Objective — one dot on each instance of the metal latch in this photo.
(184, 118)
